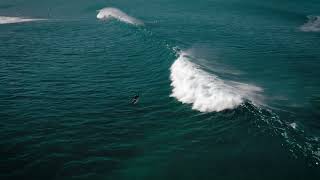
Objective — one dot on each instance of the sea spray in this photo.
(109, 12)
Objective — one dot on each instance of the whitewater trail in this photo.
(313, 24)
(207, 92)
(12, 20)
(109, 12)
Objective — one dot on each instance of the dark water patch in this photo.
(6, 6)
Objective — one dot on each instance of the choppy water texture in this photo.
(228, 89)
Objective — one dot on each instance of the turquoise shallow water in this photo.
(229, 90)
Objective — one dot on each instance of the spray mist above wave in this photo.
(109, 12)
(12, 20)
(207, 92)
(313, 24)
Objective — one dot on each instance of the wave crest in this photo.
(207, 92)
(313, 24)
(12, 20)
(109, 12)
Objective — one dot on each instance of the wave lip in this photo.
(109, 12)
(12, 20)
(207, 92)
(313, 24)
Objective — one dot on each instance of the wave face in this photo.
(12, 20)
(207, 92)
(109, 12)
(313, 24)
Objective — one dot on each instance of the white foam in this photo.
(313, 24)
(109, 12)
(11, 20)
(293, 125)
(207, 92)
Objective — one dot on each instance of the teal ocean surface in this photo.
(229, 89)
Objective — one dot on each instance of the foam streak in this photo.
(313, 24)
(12, 20)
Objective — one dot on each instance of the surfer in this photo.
(135, 99)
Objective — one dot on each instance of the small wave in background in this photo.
(109, 13)
(207, 92)
(313, 24)
(12, 20)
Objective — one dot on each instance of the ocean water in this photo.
(228, 89)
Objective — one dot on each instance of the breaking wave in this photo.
(205, 91)
(313, 24)
(11, 20)
(109, 12)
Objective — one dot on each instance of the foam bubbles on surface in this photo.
(313, 24)
(12, 20)
(293, 125)
(207, 92)
(109, 12)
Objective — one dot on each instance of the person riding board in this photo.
(135, 99)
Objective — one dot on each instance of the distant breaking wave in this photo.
(11, 20)
(313, 24)
(109, 12)
(207, 92)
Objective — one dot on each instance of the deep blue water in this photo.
(228, 89)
